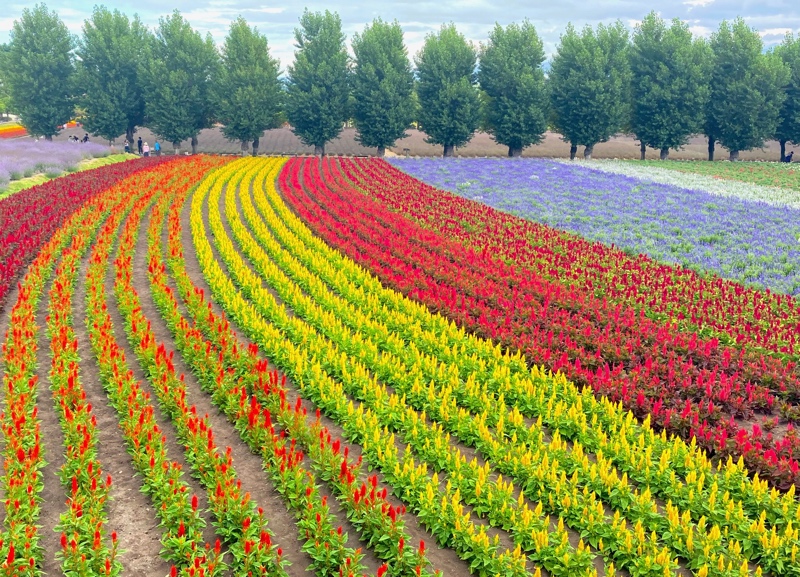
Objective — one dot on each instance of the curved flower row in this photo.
(379, 523)
(82, 525)
(242, 528)
(29, 218)
(690, 496)
(178, 512)
(326, 546)
(22, 481)
(542, 318)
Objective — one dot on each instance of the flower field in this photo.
(267, 366)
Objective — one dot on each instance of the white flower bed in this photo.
(719, 186)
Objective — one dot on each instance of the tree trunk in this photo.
(587, 152)
(642, 150)
(711, 143)
(573, 150)
(177, 147)
(783, 151)
(449, 150)
(49, 138)
(256, 142)
(245, 146)
(514, 151)
(734, 155)
(319, 150)
(129, 134)
(381, 151)
(194, 144)
(664, 153)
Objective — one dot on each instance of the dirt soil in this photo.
(283, 141)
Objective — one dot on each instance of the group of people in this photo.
(143, 147)
(74, 138)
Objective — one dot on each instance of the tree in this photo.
(669, 80)
(589, 85)
(383, 83)
(512, 80)
(789, 119)
(318, 88)
(111, 54)
(449, 102)
(746, 89)
(5, 97)
(39, 69)
(247, 91)
(177, 72)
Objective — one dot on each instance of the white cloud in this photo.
(697, 3)
(775, 32)
(703, 31)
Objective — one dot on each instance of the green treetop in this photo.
(449, 103)
(111, 52)
(39, 70)
(512, 80)
(317, 103)
(589, 85)
(177, 73)
(383, 83)
(247, 91)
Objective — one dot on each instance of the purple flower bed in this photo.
(23, 157)
(751, 242)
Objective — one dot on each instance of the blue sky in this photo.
(277, 19)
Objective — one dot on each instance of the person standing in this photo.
(139, 145)
(157, 148)
(127, 146)
(146, 149)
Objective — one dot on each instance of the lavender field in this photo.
(24, 157)
(749, 241)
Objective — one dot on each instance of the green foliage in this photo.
(789, 120)
(177, 72)
(589, 84)
(513, 84)
(318, 88)
(746, 88)
(247, 91)
(669, 80)
(5, 96)
(449, 102)
(382, 85)
(39, 70)
(111, 53)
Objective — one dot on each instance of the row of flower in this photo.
(30, 218)
(12, 130)
(754, 243)
(656, 472)
(379, 523)
(655, 368)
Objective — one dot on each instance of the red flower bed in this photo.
(29, 218)
(565, 308)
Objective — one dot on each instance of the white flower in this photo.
(721, 187)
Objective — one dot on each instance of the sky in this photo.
(474, 18)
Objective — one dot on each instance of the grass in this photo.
(764, 173)
(17, 185)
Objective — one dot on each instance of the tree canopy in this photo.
(177, 72)
(669, 81)
(317, 104)
(383, 83)
(110, 92)
(746, 88)
(449, 102)
(589, 85)
(512, 80)
(247, 91)
(788, 129)
(39, 69)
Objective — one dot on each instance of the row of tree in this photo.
(660, 84)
